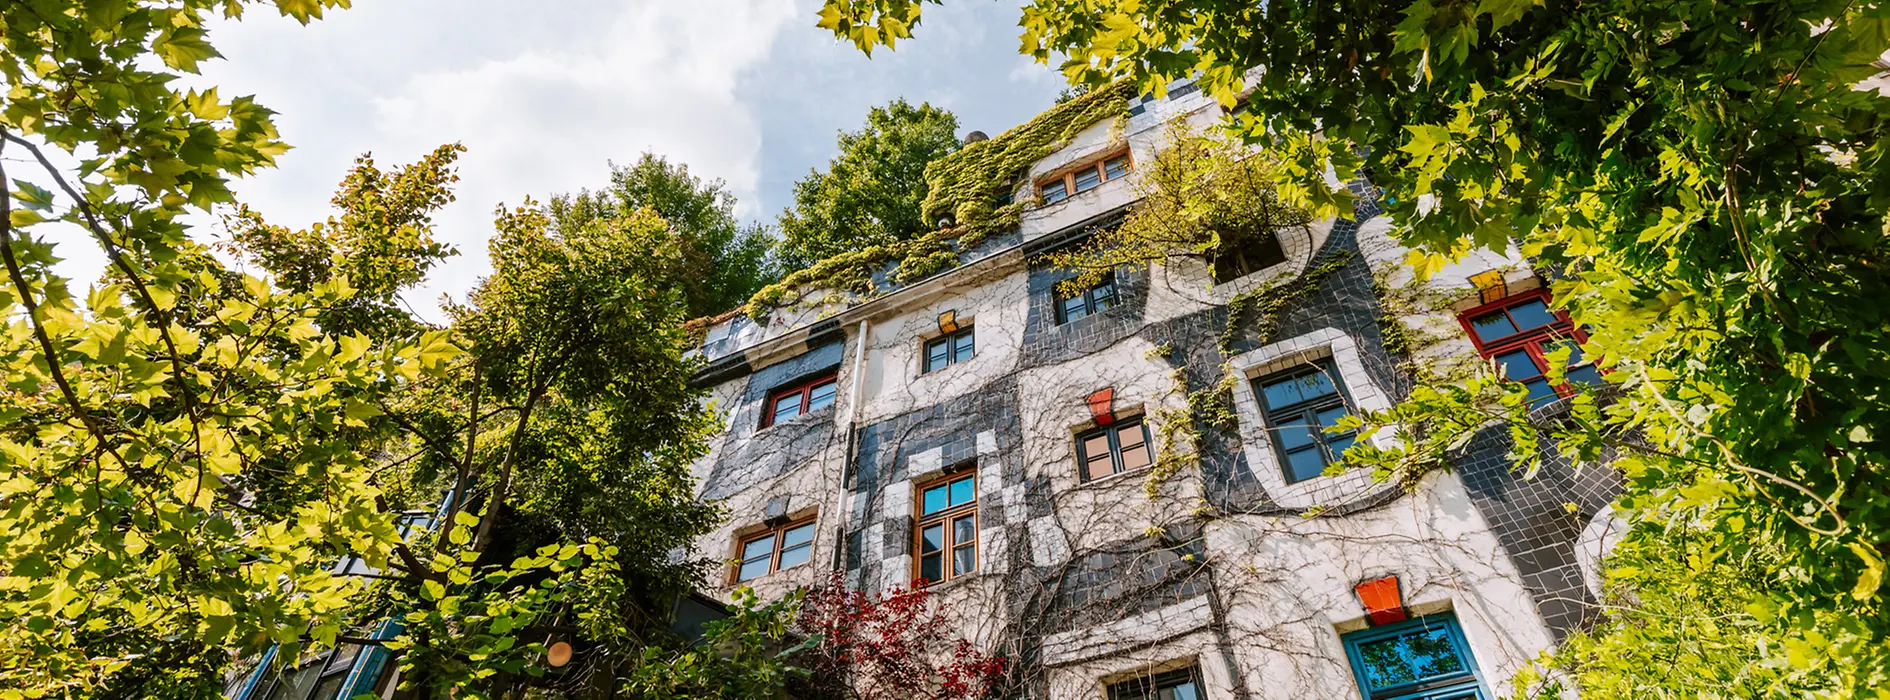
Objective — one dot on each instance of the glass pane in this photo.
(1134, 457)
(961, 491)
(1104, 295)
(1338, 445)
(932, 567)
(1418, 656)
(295, 684)
(1518, 365)
(934, 499)
(1096, 445)
(758, 548)
(931, 539)
(1295, 433)
(1100, 466)
(1281, 393)
(1331, 416)
(1184, 691)
(787, 407)
(1087, 179)
(795, 556)
(935, 355)
(964, 560)
(964, 349)
(752, 570)
(330, 686)
(1584, 375)
(1074, 308)
(1115, 167)
(1574, 350)
(822, 395)
(1304, 464)
(1492, 326)
(1531, 314)
(1317, 384)
(797, 535)
(1539, 391)
(1129, 436)
(964, 530)
(1053, 192)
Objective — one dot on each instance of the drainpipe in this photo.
(854, 407)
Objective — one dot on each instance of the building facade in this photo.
(1011, 447)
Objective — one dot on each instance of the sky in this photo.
(545, 95)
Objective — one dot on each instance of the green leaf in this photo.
(33, 196)
(1872, 577)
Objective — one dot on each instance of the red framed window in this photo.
(801, 397)
(1518, 332)
(947, 532)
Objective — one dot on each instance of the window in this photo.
(795, 399)
(1085, 178)
(948, 527)
(1298, 405)
(1113, 449)
(1519, 332)
(778, 549)
(1421, 659)
(1244, 255)
(1183, 684)
(1091, 301)
(948, 350)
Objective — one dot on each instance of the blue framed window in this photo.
(1422, 659)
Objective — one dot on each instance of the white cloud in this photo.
(541, 94)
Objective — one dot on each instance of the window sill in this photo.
(822, 411)
(1109, 480)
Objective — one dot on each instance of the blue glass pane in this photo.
(787, 407)
(821, 396)
(1281, 394)
(1087, 179)
(1304, 464)
(931, 539)
(1414, 657)
(935, 355)
(753, 569)
(799, 535)
(1185, 691)
(1316, 385)
(1584, 375)
(1116, 167)
(964, 350)
(1574, 351)
(934, 499)
(1493, 326)
(795, 556)
(1518, 365)
(1531, 314)
(1539, 391)
(1338, 445)
(758, 548)
(1331, 416)
(1074, 308)
(961, 491)
(1105, 295)
(1053, 192)
(1295, 436)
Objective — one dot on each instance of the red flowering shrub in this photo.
(889, 646)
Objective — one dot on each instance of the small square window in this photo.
(1297, 406)
(1519, 332)
(1113, 449)
(778, 549)
(798, 398)
(1095, 299)
(946, 536)
(1181, 684)
(948, 350)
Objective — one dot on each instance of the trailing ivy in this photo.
(963, 189)
(1267, 301)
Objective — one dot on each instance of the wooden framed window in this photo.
(946, 536)
(1113, 449)
(948, 350)
(1093, 300)
(800, 397)
(1179, 684)
(1518, 332)
(1297, 405)
(1426, 658)
(1244, 255)
(1084, 178)
(778, 549)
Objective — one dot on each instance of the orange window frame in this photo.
(946, 520)
(775, 535)
(1097, 166)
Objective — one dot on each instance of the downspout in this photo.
(853, 429)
